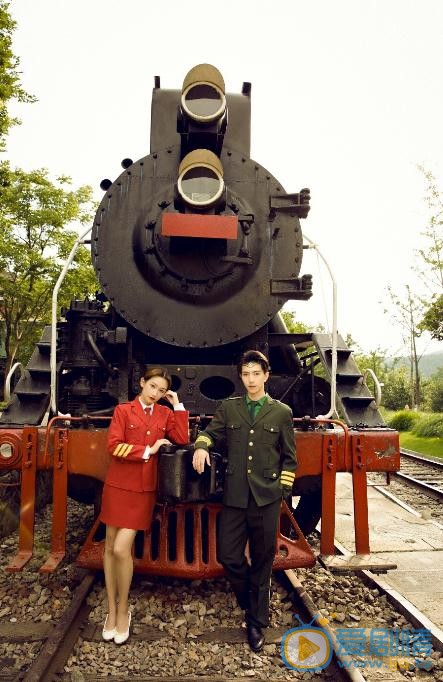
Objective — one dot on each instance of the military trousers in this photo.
(250, 581)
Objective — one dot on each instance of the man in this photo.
(261, 468)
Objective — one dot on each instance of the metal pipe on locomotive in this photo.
(197, 247)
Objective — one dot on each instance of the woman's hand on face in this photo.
(158, 443)
(172, 397)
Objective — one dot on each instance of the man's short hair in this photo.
(253, 356)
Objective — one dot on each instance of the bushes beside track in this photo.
(430, 426)
(421, 424)
(419, 431)
(404, 420)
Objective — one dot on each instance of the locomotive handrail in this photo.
(65, 418)
(53, 356)
(325, 420)
(377, 385)
(15, 366)
(85, 418)
(333, 407)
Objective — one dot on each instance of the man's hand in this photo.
(198, 461)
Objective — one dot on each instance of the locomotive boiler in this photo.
(197, 248)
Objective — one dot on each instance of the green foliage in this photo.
(429, 427)
(396, 392)
(36, 215)
(433, 392)
(432, 320)
(10, 86)
(431, 256)
(404, 420)
(386, 414)
(375, 360)
(296, 327)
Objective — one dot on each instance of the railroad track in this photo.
(421, 472)
(79, 628)
(59, 640)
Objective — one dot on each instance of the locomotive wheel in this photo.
(307, 511)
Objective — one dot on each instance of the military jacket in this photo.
(261, 452)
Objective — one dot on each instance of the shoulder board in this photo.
(235, 397)
(282, 404)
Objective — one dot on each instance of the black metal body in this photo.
(188, 303)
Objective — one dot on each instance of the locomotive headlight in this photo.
(6, 450)
(203, 94)
(200, 178)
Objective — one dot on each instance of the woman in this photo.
(136, 432)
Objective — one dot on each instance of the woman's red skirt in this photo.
(127, 509)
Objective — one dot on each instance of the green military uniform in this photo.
(261, 464)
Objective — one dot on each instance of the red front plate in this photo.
(198, 225)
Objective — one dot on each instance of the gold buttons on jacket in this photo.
(148, 433)
(249, 471)
(251, 443)
(251, 431)
(274, 475)
(250, 457)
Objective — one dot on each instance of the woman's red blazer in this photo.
(130, 431)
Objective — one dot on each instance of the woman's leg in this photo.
(123, 571)
(110, 576)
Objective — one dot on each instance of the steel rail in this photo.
(420, 485)
(60, 643)
(433, 464)
(346, 668)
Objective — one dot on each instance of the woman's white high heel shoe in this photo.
(120, 637)
(108, 634)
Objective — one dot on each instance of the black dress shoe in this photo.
(256, 638)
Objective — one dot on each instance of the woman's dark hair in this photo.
(253, 356)
(152, 372)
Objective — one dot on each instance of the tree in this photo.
(10, 86)
(396, 390)
(406, 312)
(432, 258)
(296, 327)
(433, 392)
(36, 215)
(432, 320)
(374, 359)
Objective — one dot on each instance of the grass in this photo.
(425, 446)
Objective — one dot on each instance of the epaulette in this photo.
(235, 397)
(279, 402)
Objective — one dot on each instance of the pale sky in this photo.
(346, 100)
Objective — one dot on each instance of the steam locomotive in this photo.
(197, 248)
